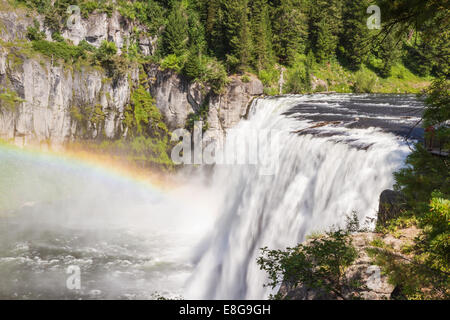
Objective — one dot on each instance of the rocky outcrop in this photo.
(374, 285)
(226, 110)
(176, 98)
(95, 28)
(14, 23)
(391, 205)
(52, 95)
(99, 27)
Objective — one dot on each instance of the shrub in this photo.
(59, 50)
(298, 80)
(106, 50)
(319, 264)
(216, 76)
(426, 274)
(173, 62)
(106, 56)
(269, 77)
(364, 81)
(57, 37)
(9, 100)
(33, 33)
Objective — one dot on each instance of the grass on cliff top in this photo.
(402, 80)
(341, 80)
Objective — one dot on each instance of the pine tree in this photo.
(324, 28)
(289, 28)
(237, 33)
(389, 52)
(175, 36)
(354, 39)
(261, 33)
(214, 26)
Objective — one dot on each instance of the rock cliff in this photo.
(48, 96)
(51, 96)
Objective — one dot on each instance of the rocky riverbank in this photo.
(373, 283)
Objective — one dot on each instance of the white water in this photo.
(202, 239)
(319, 181)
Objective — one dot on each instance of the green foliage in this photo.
(354, 39)
(245, 78)
(425, 180)
(173, 62)
(426, 274)
(175, 36)
(106, 51)
(436, 236)
(298, 77)
(106, 56)
(269, 76)
(148, 138)
(423, 174)
(9, 100)
(215, 75)
(388, 53)
(59, 50)
(201, 115)
(289, 29)
(325, 26)
(149, 12)
(365, 81)
(57, 37)
(319, 264)
(438, 104)
(253, 35)
(260, 27)
(34, 33)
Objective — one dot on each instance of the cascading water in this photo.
(322, 176)
(336, 154)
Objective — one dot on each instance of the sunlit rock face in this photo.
(225, 111)
(49, 95)
(94, 29)
(176, 98)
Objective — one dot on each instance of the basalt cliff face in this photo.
(45, 96)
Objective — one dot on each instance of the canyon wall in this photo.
(42, 99)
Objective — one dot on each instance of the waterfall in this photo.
(131, 237)
(323, 175)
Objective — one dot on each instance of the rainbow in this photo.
(102, 164)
